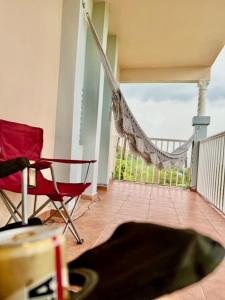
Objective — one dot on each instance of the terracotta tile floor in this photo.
(172, 207)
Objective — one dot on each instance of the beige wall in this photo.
(29, 63)
(30, 33)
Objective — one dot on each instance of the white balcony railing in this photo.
(211, 170)
(130, 167)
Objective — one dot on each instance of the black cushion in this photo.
(11, 166)
(144, 261)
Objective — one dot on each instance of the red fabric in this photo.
(58, 266)
(41, 165)
(45, 187)
(69, 161)
(20, 140)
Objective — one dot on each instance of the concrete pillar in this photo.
(202, 85)
(71, 77)
(106, 128)
(200, 123)
(93, 94)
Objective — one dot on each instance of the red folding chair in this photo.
(20, 140)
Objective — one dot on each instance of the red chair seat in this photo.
(46, 187)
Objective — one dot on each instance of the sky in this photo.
(166, 110)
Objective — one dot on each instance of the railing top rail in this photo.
(168, 140)
(213, 137)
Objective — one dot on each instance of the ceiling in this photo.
(167, 38)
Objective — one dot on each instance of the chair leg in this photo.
(16, 211)
(66, 219)
(40, 208)
(10, 219)
(35, 204)
(10, 206)
(71, 215)
(53, 214)
(79, 240)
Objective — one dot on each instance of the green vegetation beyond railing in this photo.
(130, 167)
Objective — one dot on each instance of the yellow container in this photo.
(32, 264)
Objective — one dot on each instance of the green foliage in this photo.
(135, 170)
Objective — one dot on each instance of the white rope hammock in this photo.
(127, 126)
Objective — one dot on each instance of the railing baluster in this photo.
(222, 176)
(147, 174)
(206, 150)
(136, 172)
(203, 166)
(158, 176)
(220, 159)
(177, 177)
(142, 168)
(153, 174)
(216, 171)
(183, 176)
(126, 158)
(211, 170)
(164, 180)
(131, 166)
(121, 151)
(222, 197)
(171, 175)
(201, 180)
(167, 146)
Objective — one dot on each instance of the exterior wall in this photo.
(29, 59)
(30, 33)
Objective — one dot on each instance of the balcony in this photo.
(50, 69)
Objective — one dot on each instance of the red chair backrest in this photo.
(20, 140)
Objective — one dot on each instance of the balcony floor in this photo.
(167, 206)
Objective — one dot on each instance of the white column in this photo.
(93, 94)
(200, 124)
(202, 85)
(71, 76)
(106, 136)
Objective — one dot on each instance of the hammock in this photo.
(127, 126)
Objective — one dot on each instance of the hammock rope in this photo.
(127, 125)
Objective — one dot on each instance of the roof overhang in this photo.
(164, 41)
